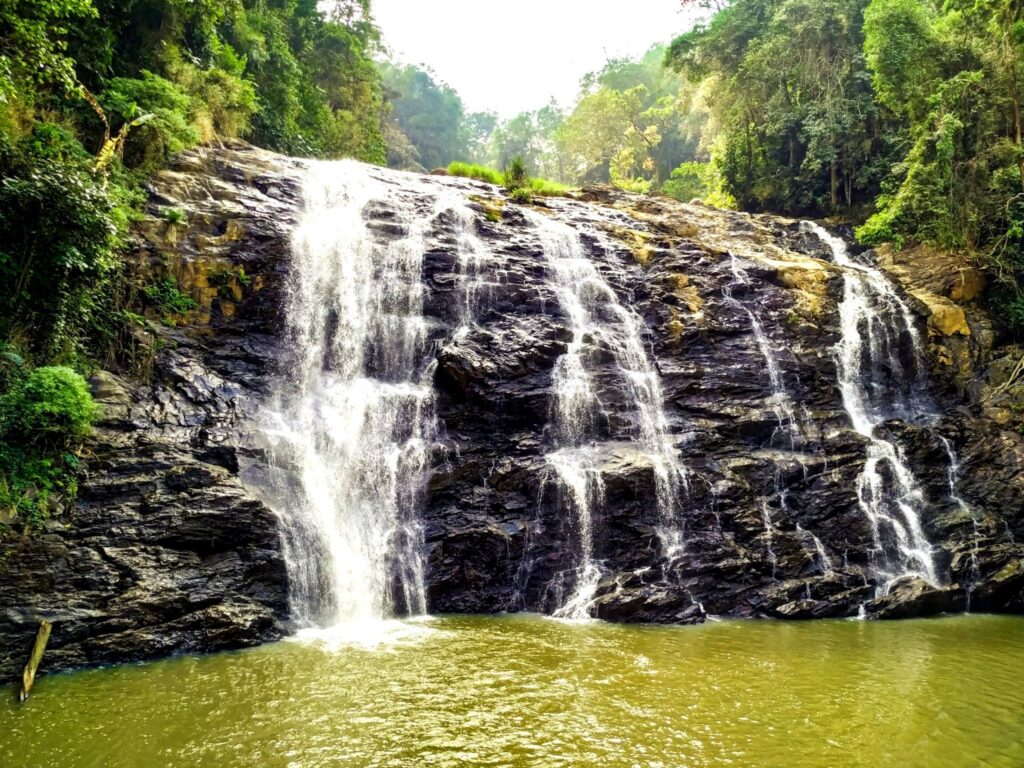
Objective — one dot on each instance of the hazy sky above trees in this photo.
(510, 57)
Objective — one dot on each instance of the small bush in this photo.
(44, 416)
(175, 216)
(516, 175)
(518, 183)
(50, 406)
(166, 295)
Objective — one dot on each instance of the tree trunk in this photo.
(35, 658)
(1015, 100)
(834, 184)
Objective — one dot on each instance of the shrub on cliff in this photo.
(50, 406)
(45, 415)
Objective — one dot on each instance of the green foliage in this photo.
(59, 234)
(531, 136)
(171, 129)
(953, 75)
(797, 125)
(175, 216)
(225, 281)
(548, 188)
(634, 123)
(50, 406)
(319, 91)
(521, 195)
(515, 175)
(479, 172)
(429, 113)
(44, 415)
(636, 186)
(166, 296)
(33, 47)
(687, 181)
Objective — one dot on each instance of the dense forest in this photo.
(900, 116)
(94, 96)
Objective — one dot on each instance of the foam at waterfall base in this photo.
(368, 634)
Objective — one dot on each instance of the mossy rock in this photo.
(493, 208)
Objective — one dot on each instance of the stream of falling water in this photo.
(597, 319)
(789, 423)
(782, 403)
(953, 478)
(876, 387)
(351, 434)
(473, 262)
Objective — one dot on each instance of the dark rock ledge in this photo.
(168, 552)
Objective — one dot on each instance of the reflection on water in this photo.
(525, 691)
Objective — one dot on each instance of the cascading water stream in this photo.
(953, 478)
(785, 414)
(597, 319)
(769, 538)
(350, 438)
(474, 261)
(876, 324)
(782, 403)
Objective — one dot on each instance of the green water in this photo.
(526, 691)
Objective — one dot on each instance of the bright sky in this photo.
(512, 56)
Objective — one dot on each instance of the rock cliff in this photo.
(168, 550)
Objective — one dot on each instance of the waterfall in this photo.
(599, 321)
(953, 479)
(824, 562)
(350, 437)
(782, 403)
(769, 538)
(876, 325)
(785, 415)
(473, 262)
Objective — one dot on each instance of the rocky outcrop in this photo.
(165, 551)
(168, 550)
(773, 526)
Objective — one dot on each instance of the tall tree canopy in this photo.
(910, 109)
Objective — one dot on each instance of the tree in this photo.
(429, 113)
(791, 98)
(634, 121)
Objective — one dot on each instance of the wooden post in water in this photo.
(28, 677)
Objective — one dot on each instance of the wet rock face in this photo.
(165, 551)
(169, 551)
(772, 520)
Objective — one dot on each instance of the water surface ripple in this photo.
(527, 691)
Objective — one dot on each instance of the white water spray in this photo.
(597, 319)
(875, 386)
(350, 439)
